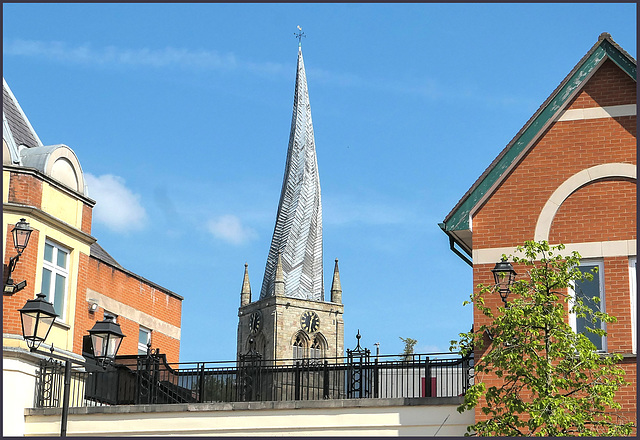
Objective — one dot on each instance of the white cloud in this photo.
(145, 57)
(117, 207)
(230, 229)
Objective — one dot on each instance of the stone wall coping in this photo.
(252, 406)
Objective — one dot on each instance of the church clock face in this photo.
(255, 322)
(310, 322)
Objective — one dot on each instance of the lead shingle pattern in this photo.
(297, 235)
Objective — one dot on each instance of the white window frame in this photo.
(143, 347)
(602, 304)
(56, 270)
(634, 301)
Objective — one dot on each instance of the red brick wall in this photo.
(87, 217)
(25, 270)
(588, 214)
(603, 210)
(617, 303)
(25, 189)
(608, 86)
(135, 293)
(565, 149)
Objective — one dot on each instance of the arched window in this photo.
(316, 349)
(298, 348)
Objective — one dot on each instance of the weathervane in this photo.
(299, 35)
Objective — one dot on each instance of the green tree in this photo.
(409, 344)
(554, 383)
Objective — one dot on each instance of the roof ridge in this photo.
(602, 37)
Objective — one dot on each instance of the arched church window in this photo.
(298, 348)
(316, 350)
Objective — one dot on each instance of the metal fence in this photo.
(151, 380)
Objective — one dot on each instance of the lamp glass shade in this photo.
(37, 317)
(504, 275)
(21, 233)
(106, 338)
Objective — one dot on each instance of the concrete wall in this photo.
(362, 417)
(18, 386)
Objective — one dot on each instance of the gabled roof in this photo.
(457, 223)
(20, 129)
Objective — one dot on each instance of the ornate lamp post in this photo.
(21, 234)
(37, 317)
(504, 277)
(106, 338)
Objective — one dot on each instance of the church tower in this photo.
(291, 319)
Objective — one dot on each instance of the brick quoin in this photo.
(600, 211)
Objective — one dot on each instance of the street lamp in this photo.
(37, 317)
(106, 338)
(504, 277)
(21, 233)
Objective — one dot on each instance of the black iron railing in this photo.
(151, 380)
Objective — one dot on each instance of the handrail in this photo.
(151, 380)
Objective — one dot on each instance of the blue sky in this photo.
(180, 117)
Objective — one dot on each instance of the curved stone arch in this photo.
(303, 348)
(260, 344)
(572, 184)
(303, 336)
(318, 342)
(321, 340)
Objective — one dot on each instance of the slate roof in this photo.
(605, 48)
(98, 252)
(19, 125)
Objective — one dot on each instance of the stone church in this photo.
(291, 320)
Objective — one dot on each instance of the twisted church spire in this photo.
(297, 236)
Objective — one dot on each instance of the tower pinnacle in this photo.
(245, 293)
(336, 288)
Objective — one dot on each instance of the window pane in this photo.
(59, 296)
(144, 337)
(48, 252)
(46, 283)
(62, 259)
(586, 290)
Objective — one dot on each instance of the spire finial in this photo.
(299, 36)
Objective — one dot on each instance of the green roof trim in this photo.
(459, 218)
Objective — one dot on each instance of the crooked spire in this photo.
(297, 235)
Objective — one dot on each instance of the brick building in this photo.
(568, 176)
(44, 184)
